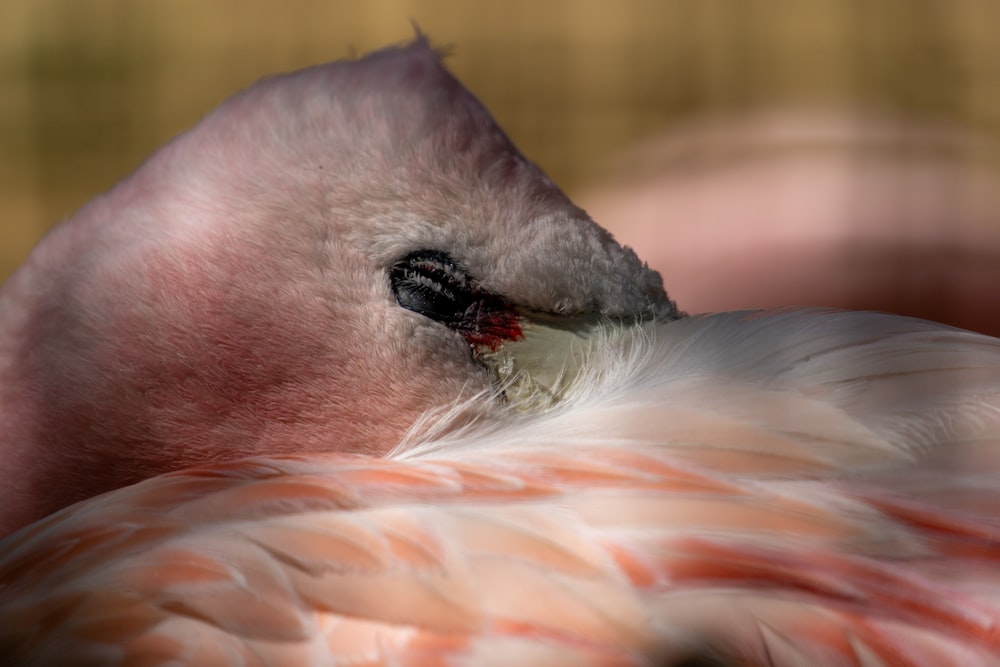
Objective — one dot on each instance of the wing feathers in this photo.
(780, 489)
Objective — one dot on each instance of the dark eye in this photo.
(431, 283)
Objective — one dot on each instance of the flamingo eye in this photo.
(431, 283)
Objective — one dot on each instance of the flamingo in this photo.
(339, 378)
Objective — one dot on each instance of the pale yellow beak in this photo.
(539, 370)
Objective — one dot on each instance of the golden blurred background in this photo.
(90, 87)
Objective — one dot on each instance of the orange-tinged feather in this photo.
(572, 567)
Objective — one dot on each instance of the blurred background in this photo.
(757, 153)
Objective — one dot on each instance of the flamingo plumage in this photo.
(789, 488)
(831, 502)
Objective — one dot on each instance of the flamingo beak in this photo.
(555, 355)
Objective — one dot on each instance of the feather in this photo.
(838, 515)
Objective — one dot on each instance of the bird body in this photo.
(701, 494)
(340, 378)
